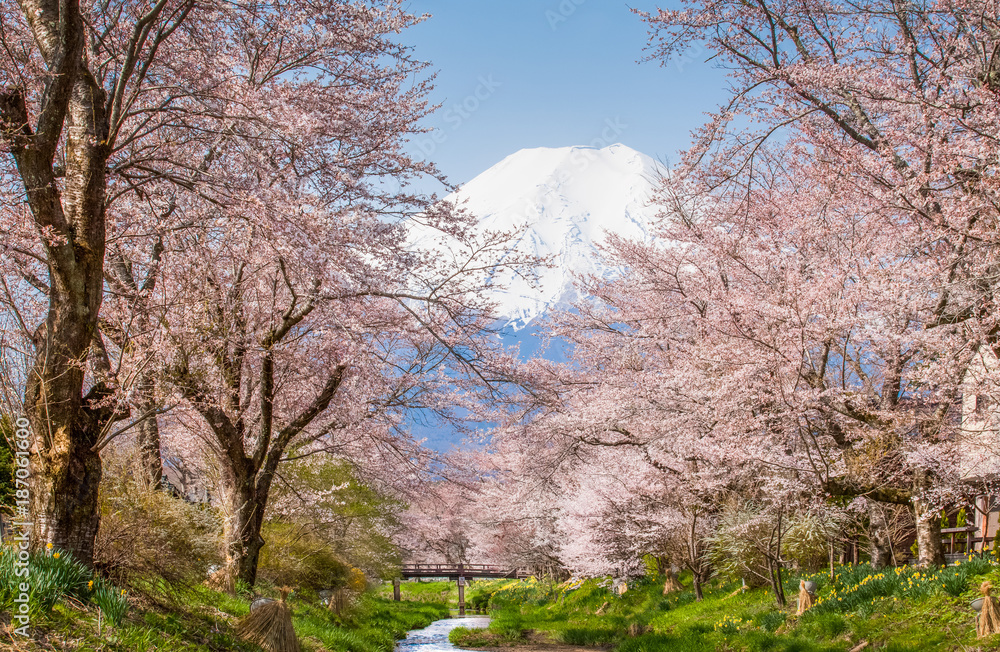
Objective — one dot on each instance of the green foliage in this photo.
(652, 566)
(956, 581)
(977, 565)
(350, 517)
(430, 592)
(295, 556)
(769, 620)
(860, 588)
(735, 548)
(148, 538)
(508, 624)
(112, 602)
(807, 540)
(591, 636)
(201, 618)
(372, 625)
(7, 487)
(51, 576)
(904, 609)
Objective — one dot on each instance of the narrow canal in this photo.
(435, 637)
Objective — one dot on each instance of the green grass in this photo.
(201, 618)
(436, 592)
(898, 610)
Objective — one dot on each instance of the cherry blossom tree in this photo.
(118, 119)
(895, 106)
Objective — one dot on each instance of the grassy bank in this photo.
(902, 610)
(203, 619)
(430, 592)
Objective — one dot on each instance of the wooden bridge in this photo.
(457, 573)
(468, 571)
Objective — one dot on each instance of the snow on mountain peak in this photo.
(567, 200)
(563, 202)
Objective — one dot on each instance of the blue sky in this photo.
(528, 73)
(514, 74)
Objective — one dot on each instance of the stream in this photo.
(434, 638)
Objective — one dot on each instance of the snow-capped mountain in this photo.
(563, 202)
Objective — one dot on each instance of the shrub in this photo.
(735, 548)
(6, 466)
(148, 537)
(295, 557)
(977, 566)
(730, 625)
(807, 540)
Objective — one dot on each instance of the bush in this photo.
(295, 557)
(148, 537)
(807, 540)
(6, 466)
(735, 548)
(955, 580)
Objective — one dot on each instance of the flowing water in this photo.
(435, 637)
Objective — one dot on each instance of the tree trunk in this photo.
(65, 477)
(777, 584)
(66, 472)
(148, 432)
(879, 541)
(694, 556)
(242, 532)
(930, 551)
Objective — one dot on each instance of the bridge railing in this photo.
(461, 569)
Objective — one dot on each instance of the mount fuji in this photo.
(562, 203)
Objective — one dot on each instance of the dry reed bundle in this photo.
(270, 626)
(989, 619)
(672, 584)
(805, 598)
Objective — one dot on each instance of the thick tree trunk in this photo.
(66, 472)
(930, 551)
(879, 541)
(242, 532)
(65, 477)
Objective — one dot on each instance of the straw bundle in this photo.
(989, 619)
(672, 584)
(270, 626)
(805, 598)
